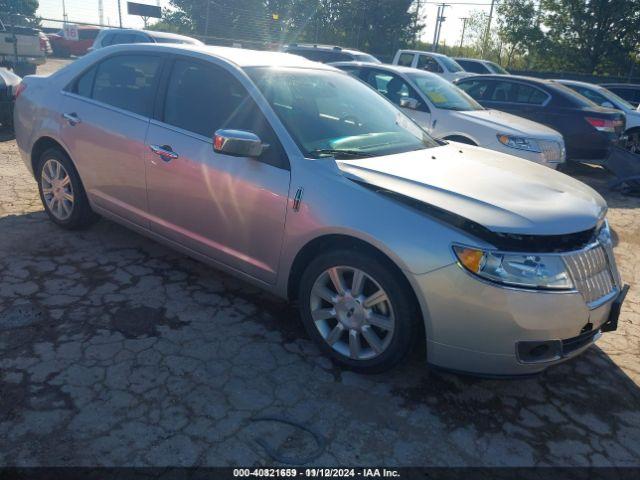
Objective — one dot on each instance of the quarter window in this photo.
(406, 59)
(203, 98)
(430, 64)
(127, 82)
(84, 85)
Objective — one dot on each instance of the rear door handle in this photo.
(164, 151)
(72, 118)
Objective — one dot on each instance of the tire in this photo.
(633, 142)
(24, 69)
(74, 213)
(333, 333)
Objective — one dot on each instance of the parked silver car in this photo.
(299, 178)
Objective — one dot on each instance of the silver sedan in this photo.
(299, 178)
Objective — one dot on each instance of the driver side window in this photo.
(393, 87)
(425, 62)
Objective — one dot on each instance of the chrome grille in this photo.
(552, 151)
(593, 272)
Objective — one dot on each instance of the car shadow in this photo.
(585, 400)
(6, 135)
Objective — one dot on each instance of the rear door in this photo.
(106, 111)
(228, 208)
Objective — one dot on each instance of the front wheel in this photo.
(633, 141)
(358, 310)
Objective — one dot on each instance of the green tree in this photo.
(519, 28)
(23, 12)
(592, 35)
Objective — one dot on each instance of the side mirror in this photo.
(607, 104)
(237, 143)
(410, 103)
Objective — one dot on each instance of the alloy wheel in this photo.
(352, 312)
(57, 189)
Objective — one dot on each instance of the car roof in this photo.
(433, 54)
(577, 83)
(540, 81)
(472, 59)
(630, 85)
(151, 33)
(238, 56)
(383, 66)
(333, 48)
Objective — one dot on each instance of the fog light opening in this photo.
(539, 352)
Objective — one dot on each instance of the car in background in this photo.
(448, 113)
(328, 53)
(31, 46)
(64, 47)
(8, 89)
(436, 63)
(300, 179)
(629, 91)
(481, 67)
(606, 98)
(118, 36)
(589, 130)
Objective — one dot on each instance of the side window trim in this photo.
(161, 95)
(68, 89)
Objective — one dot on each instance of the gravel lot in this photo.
(115, 350)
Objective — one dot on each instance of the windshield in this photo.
(330, 113)
(444, 94)
(451, 64)
(497, 68)
(615, 99)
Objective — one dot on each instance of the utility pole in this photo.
(486, 33)
(120, 13)
(464, 27)
(435, 31)
(206, 20)
(64, 12)
(441, 18)
(101, 11)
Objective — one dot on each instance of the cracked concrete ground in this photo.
(116, 351)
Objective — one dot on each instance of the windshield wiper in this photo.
(336, 152)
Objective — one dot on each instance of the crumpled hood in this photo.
(503, 193)
(502, 122)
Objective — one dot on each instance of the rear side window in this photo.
(478, 89)
(88, 34)
(473, 67)
(504, 92)
(127, 82)
(430, 64)
(203, 98)
(84, 85)
(530, 95)
(406, 59)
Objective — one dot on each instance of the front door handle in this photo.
(164, 151)
(72, 118)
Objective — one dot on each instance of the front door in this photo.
(231, 209)
(106, 116)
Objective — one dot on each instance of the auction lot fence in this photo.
(222, 22)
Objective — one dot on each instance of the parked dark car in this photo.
(629, 91)
(8, 84)
(481, 67)
(328, 53)
(589, 130)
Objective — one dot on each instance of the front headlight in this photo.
(519, 143)
(517, 270)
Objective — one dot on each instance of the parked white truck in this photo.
(22, 49)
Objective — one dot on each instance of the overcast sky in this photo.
(87, 11)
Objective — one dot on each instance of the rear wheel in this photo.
(358, 310)
(633, 141)
(61, 191)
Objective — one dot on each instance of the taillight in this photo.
(19, 89)
(602, 124)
